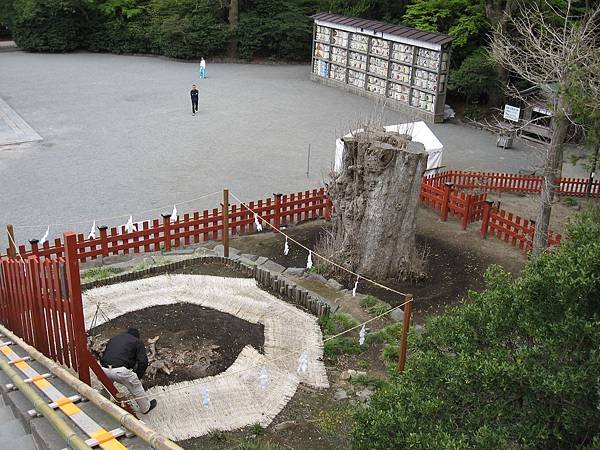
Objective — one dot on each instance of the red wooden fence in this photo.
(40, 301)
(444, 192)
(190, 228)
(512, 228)
(465, 207)
(510, 182)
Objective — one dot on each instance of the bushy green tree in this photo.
(122, 26)
(275, 28)
(188, 28)
(517, 366)
(465, 20)
(476, 79)
(50, 25)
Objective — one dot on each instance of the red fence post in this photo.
(34, 246)
(328, 207)
(225, 223)
(468, 207)
(37, 310)
(485, 221)
(167, 231)
(446, 201)
(277, 211)
(74, 288)
(103, 240)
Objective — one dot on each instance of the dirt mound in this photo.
(194, 341)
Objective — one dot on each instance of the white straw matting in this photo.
(236, 396)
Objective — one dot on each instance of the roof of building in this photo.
(382, 27)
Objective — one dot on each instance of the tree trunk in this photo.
(498, 12)
(376, 196)
(552, 171)
(234, 18)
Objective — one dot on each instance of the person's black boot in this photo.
(153, 404)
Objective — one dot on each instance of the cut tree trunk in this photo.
(375, 196)
(552, 173)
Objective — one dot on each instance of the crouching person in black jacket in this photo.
(125, 362)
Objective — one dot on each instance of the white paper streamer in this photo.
(264, 377)
(309, 260)
(362, 335)
(355, 286)
(257, 223)
(92, 234)
(286, 247)
(45, 236)
(174, 214)
(303, 363)
(205, 397)
(129, 227)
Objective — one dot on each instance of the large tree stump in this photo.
(376, 196)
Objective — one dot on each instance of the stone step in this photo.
(11, 429)
(24, 443)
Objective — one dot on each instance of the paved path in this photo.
(119, 136)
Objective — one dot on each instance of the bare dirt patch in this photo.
(526, 206)
(457, 260)
(195, 341)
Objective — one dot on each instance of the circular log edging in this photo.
(270, 281)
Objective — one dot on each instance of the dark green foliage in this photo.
(516, 367)
(275, 28)
(188, 28)
(337, 323)
(465, 20)
(342, 345)
(476, 79)
(49, 25)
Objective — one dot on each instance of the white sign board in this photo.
(512, 113)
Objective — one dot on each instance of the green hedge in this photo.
(49, 25)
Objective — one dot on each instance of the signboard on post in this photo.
(512, 113)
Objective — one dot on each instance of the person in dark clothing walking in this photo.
(194, 96)
(125, 361)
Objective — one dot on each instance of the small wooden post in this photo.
(446, 201)
(74, 289)
(404, 336)
(103, 240)
(12, 249)
(34, 246)
(226, 223)
(277, 213)
(485, 220)
(167, 231)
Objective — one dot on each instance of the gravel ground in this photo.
(119, 137)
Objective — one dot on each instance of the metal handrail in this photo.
(127, 420)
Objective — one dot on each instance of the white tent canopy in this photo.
(419, 132)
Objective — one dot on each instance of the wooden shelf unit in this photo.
(381, 60)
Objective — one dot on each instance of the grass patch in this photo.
(255, 446)
(569, 201)
(217, 436)
(343, 345)
(332, 421)
(374, 306)
(367, 380)
(387, 335)
(336, 323)
(257, 429)
(98, 273)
